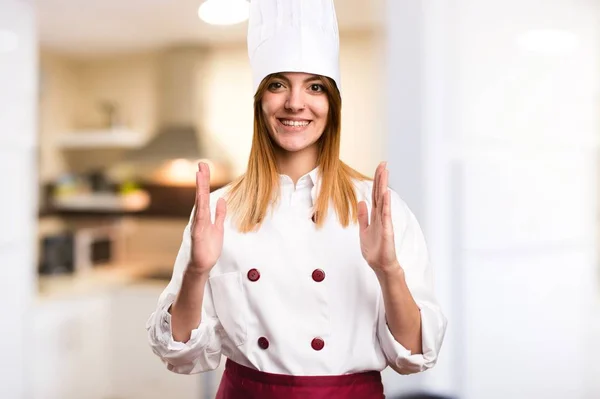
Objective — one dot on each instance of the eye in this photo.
(317, 87)
(275, 86)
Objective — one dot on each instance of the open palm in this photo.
(377, 237)
(207, 237)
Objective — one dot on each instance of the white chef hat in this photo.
(293, 36)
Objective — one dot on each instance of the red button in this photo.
(263, 343)
(253, 274)
(317, 344)
(318, 275)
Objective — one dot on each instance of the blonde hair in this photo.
(250, 195)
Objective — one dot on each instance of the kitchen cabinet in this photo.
(68, 357)
(137, 372)
(93, 345)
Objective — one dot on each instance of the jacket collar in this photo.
(311, 179)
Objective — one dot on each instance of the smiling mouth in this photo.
(293, 124)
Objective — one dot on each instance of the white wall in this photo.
(18, 151)
(495, 148)
(417, 117)
(526, 146)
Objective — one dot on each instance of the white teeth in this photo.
(294, 123)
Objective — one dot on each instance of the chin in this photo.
(293, 148)
(300, 142)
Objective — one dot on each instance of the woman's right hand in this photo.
(207, 237)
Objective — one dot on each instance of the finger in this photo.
(363, 215)
(199, 215)
(205, 182)
(197, 199)
(387, 211)
(206, 178)
(220, 213)
(383, 189)
(202, 182)
(383, 186)
(198, 185)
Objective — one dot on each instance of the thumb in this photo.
(220, 213)
(363, 215)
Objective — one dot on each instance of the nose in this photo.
(295, 101)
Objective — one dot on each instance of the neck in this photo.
(296, 164)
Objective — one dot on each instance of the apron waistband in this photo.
(236, 370)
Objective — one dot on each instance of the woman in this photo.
(308, 276)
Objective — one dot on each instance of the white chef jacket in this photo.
(262, 289)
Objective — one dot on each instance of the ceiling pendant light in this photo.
(224, 12)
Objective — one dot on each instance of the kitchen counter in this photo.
(100, 280)
(170, 202)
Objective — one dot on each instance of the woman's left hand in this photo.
(377, 238)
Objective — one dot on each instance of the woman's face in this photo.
(295, 107)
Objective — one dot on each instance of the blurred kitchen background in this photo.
(487, 112)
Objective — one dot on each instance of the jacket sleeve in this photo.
(412, 254)
(203, 351)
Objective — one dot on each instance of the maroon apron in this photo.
(240, 382)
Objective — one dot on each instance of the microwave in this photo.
(97, 246)
(81, 249)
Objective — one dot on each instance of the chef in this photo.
(307, 276)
